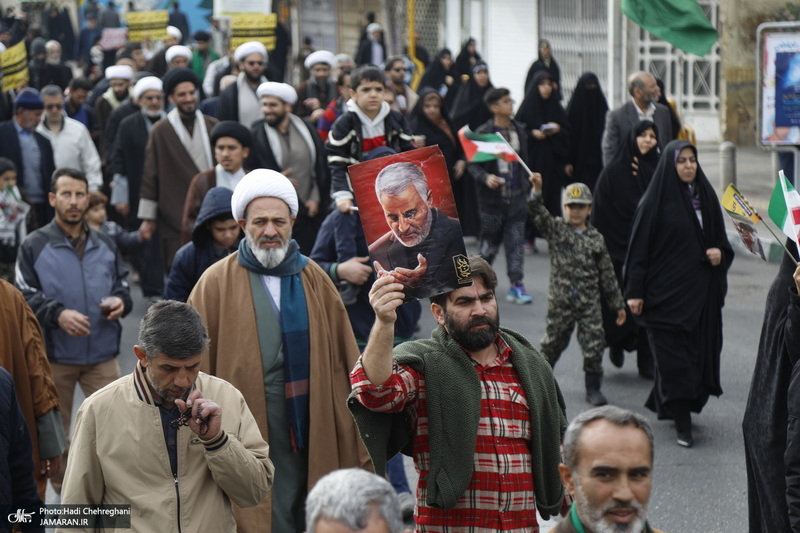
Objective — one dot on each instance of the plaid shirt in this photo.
(500, 495)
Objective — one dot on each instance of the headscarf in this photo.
(535, 111)
(468, 106)
(548, 65)
(586, 112)
(618, 191)
(436, 73)
(666, 262)
(466, 60)
(443, 134)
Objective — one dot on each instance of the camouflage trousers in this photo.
(562, 316)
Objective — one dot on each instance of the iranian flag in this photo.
(784, 208)
(480, 147)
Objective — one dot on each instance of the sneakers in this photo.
(518, 295)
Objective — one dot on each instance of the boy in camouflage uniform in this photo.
(580, 271)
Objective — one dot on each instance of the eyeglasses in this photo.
(54, 106)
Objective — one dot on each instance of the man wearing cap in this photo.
(371, 50)
(119, 79)
(275, 322)
(72, 145)
(177, 150)
(203, 54)
(178, 56)
(319, 89)
(239, 101)
(127, 166)
(158, 63)
(284, 142)
(31, 152)
(231, 142)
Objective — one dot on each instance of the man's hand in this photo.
(74, 323)
(636, 305)
(538, 135)
(206, 419)
(313, 208)
(354, 270)
(536, 182)
(621, 317)
(316, 114)
(459, 168)
(714, 256)
(123, 209)
(385, 296)
(312, 103)
(493, 182)
(48, 467)
(112, 307)
(146, 229)
(344, 205)
(796, 277)
(409, 277)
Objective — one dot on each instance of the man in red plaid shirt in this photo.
(476, 405)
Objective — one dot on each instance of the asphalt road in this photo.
(698, 489)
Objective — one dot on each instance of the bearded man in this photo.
(239, 100)
(478, 402)
(280, 334)
(178, 149)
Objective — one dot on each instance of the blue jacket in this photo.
(17, 486)
(53, 278)
(194, 257)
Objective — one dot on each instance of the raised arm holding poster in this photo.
(14, 62)
(410, 221)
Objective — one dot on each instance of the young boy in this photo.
(13, 211)
(95, 216)
(580, 273)
(366, 124)
(502, 191)
(216, 234)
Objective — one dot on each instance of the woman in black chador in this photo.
(617, 193)
(469, 109)
(467, 58)
(586, 111)
(675, 279)
(545, 62)
(440, 76)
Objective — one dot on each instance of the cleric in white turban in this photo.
(320, 56)
(119, 72)
(283, 91)
(148, 83)
(260, 183)
(178, 51)
(250, 47)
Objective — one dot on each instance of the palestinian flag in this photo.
(784, 208)
(480, 147)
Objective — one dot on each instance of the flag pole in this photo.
(519, 157)
(779, 240)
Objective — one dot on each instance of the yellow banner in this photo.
(253, 27)
(734, 202)
(14, 63)
(144, 24)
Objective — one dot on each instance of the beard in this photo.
(162, 393)
(251, 78)
(153, 114)
(276, 120)
(268, 257)
(473, 341)
(416, 236)
(594, 517)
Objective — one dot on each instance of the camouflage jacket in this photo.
(580, 266)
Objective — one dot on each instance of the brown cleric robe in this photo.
(168, 170)
(224, 299)
(22, 353)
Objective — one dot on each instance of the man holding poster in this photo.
(423, 248)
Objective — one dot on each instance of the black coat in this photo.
(17, 486)
(128, 159)
(586, 112)
(112, 126)
(10, 148)
(767, 414)
(792, 454)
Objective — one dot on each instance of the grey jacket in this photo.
(621, 120)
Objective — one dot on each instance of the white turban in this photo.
(250, 47)
(284, 91)
(177, 50)
(320, 56)
(172, 31)
(123, 72)
(262, 183)
(148, 83)
(373, 27)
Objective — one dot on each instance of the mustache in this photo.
(270, 239)
(479, 321)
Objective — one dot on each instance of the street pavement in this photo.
(699, 489)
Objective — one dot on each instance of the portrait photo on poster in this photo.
(410, 220)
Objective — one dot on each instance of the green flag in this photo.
(681, 23)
